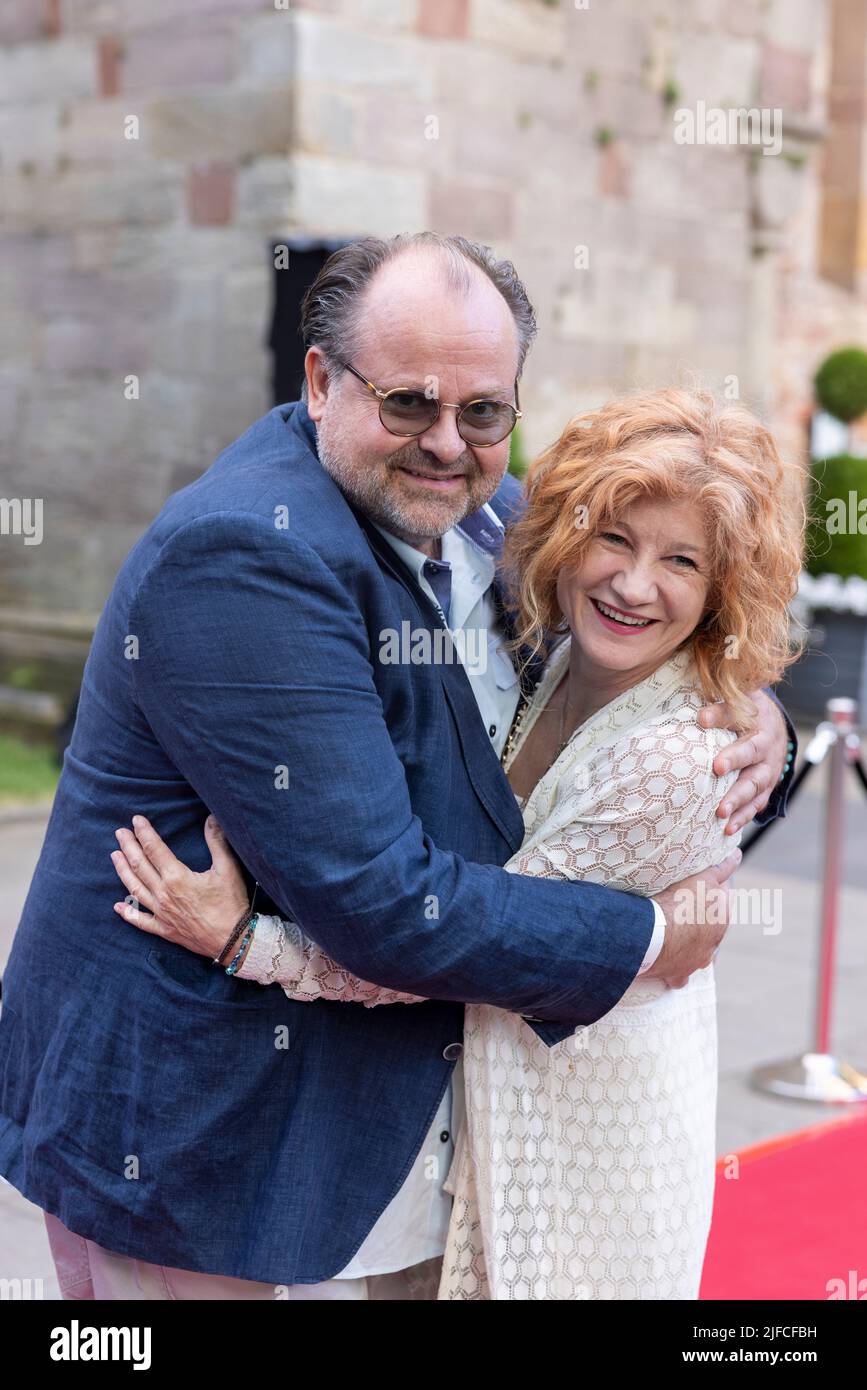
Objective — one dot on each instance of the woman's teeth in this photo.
(619, 618)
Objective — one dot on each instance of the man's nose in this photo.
(442, 438)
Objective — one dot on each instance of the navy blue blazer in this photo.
(180, 1116)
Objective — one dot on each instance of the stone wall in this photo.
(543, 128)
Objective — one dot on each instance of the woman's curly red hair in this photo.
(679, 444)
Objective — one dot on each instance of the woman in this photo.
(654, 564)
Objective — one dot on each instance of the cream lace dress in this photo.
(584, 1170)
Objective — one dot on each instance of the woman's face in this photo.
(652, 564)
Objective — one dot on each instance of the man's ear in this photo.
(316, 375)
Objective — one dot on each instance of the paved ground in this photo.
(766, 985)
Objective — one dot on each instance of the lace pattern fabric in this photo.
(586, 1170)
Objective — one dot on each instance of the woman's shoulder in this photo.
(669, 741)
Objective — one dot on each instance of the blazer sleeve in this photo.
(778, 804)
(255, 674)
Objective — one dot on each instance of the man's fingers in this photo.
(131, 881)
(744, 752)
(727, 867)
(714, 716)
(157, 851)
(742, 818)
(136, 918)
(137, 859)
(221, 854)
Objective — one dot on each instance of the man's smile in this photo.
(440, 481)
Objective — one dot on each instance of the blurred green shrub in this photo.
(836, 541)
(841, 384)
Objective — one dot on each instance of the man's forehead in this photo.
(425, 329)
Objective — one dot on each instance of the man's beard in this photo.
(374, 486)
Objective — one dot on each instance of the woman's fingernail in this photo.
(725, 765)
(138, 820)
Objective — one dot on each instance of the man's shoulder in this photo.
(510, 500)
(267, 482)
(270, 474)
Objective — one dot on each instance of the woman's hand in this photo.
(759, 756)
(198, 911)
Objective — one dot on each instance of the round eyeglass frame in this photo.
(413, 434)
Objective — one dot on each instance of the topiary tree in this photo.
(836, 541)
(841, 384)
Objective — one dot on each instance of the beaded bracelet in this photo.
(240, 925)
(790, 753)
(248, 935)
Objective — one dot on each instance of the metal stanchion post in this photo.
(819, 1075)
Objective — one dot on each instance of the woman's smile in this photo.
(626, 623)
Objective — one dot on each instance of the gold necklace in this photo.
(518, 724)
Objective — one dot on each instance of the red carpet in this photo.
(795, 1219)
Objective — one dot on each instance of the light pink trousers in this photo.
(86, 1270)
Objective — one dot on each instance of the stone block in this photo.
(333, 197)
(129, 17)
(266, 47)
(109, 61)
(232, 123)
(158, 58)
(532, 31)
(264, 195)
(30, 134)
(329, 50)
(387, 14)
(92, 346)
(211, 193)
(62, 70)
(471, 209)
(137, 195)
(444, 19)
(93, 132)
(21, 20)
(396, 130)
(786, 78)
(333, 122)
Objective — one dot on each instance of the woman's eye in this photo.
(612, 536)
(690, 562)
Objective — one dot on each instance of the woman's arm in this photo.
(281, 954)
(278, 953)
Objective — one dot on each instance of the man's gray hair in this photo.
(329, 317)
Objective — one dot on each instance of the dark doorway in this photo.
(305, 259)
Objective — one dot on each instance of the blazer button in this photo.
(453, 1051)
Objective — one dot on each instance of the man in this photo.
(180, 1122)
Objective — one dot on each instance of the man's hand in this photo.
(690, 943)
(760, 755)
(194, 910)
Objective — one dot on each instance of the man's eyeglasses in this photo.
(406, 412)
